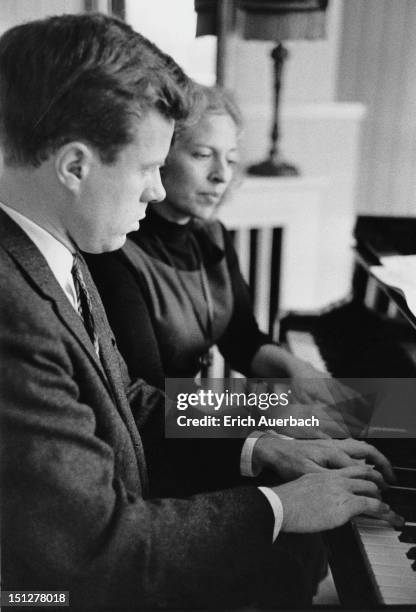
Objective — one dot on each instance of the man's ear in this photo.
(73, 163)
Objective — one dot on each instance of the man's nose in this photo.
(155, 192)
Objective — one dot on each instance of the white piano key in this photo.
(372, 522)
(388, 575)
(397, 600)
(402, 579)
(379, 539)
(386, 556)
(379, 542)
(391, 557)
(303, 345)
(399, 595)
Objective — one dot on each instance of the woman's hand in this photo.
(340, 405)
(343, 410)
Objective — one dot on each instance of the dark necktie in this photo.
(84, 305)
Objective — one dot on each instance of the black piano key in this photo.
(411, 553)
(406, 477)
(403, 501)
(408, 535)
(400, 451)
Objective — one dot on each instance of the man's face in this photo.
(113, 198)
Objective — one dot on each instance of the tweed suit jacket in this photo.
(75, 511)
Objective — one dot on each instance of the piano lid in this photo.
(386, 235)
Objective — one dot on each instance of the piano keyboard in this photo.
(387, 553)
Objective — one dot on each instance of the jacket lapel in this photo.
(32, 263)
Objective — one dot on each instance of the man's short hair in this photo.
(82, 77)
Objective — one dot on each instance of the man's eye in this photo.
(200, 155)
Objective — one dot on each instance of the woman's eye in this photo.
(200, 155)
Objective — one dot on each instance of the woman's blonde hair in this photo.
(213, 100)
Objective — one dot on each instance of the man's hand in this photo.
(316, 502)
(293, 458)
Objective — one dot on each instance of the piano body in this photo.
(371, 336)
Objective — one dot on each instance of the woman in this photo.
(175, 289)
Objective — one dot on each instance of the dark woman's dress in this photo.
(171, 293)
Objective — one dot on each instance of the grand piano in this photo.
(371, 335)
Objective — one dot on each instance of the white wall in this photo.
(13, 12)
(171, 25)
(377, 67)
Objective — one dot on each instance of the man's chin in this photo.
(105, 247)
(116, 244)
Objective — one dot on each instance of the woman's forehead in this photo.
(211, 127)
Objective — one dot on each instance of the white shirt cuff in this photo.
(246, 458)
(277, 508)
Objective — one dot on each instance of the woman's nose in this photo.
(220, 172)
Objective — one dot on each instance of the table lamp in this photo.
(276, 20)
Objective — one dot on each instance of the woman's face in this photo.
(199, 168)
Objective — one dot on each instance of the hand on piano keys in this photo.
(373, 563)
(391, 554)
(342, 410)
(311, 384)
(293, 458)
(318, 502)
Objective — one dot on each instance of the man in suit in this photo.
(87, 112)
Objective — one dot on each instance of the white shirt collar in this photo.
(57, 255)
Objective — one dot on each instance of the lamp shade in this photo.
(283, 19)
(267, 19)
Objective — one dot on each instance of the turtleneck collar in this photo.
(168, 231)
(172, 242)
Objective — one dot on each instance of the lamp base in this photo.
(273, 168)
